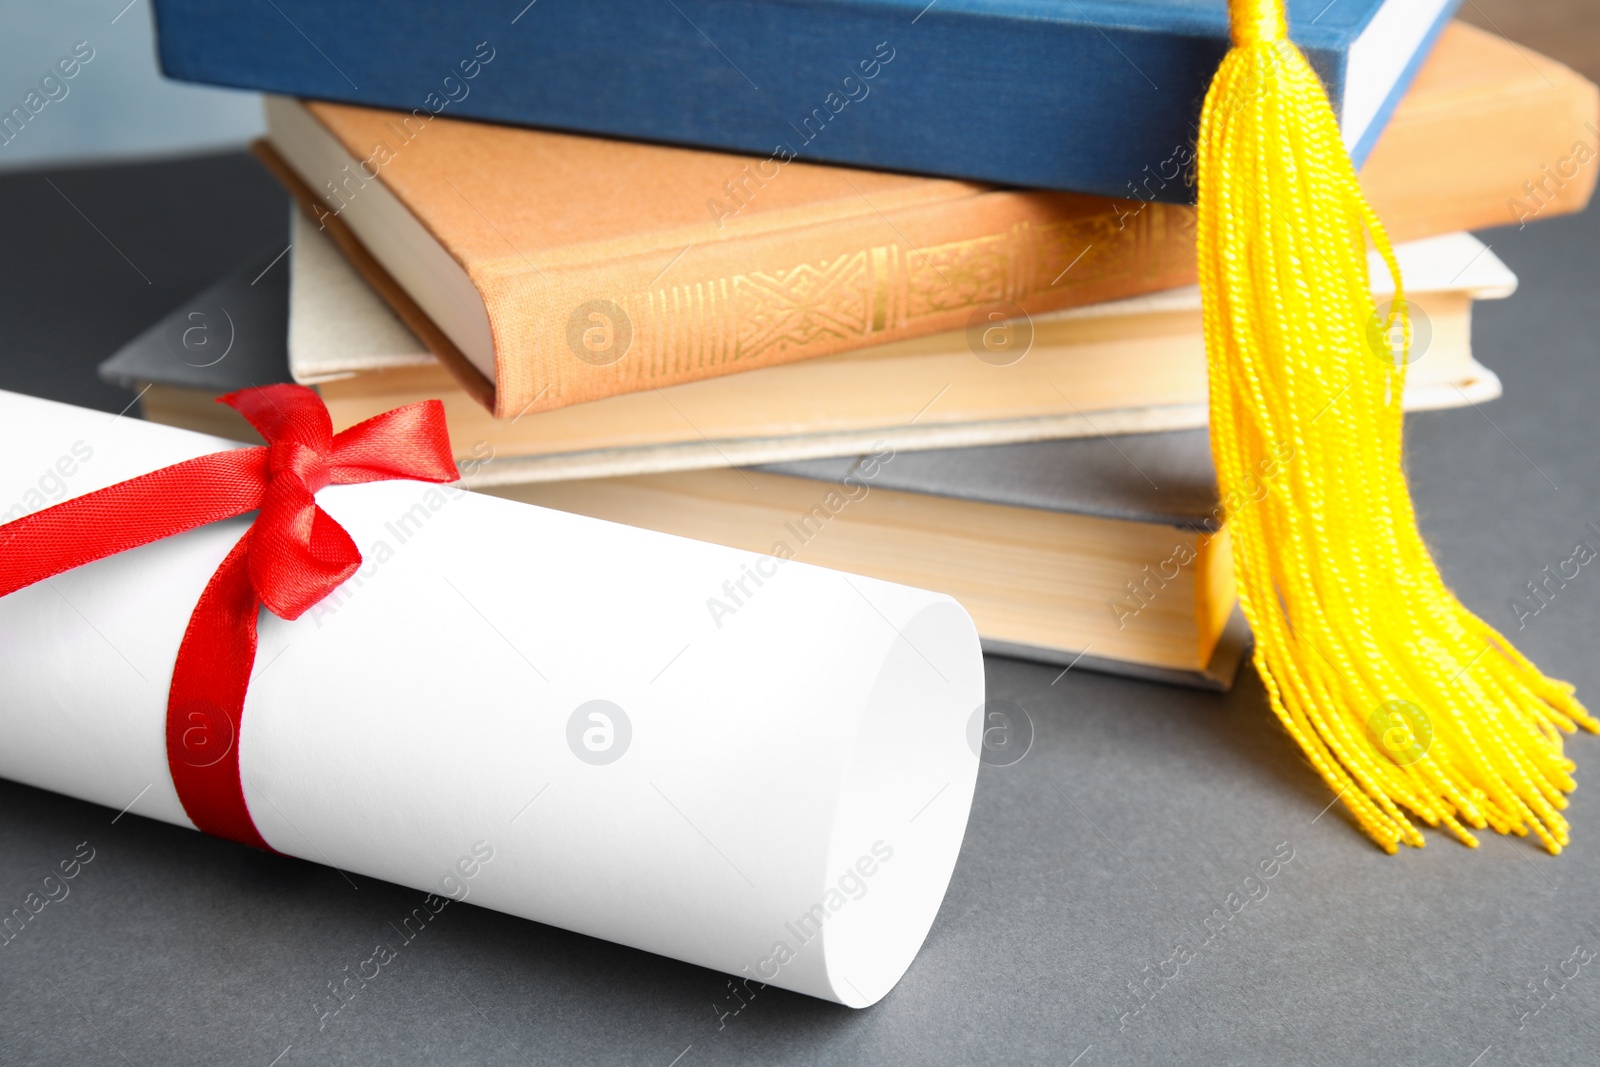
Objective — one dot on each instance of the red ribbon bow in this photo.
(290, 558)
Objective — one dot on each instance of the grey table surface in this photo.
(1136, 814)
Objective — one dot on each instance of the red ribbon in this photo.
(290, 558)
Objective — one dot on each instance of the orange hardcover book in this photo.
(1489, 134)
(552, 269)
(547, 269)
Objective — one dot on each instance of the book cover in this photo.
(1490, 134)
(550, 269)
(1074, 96)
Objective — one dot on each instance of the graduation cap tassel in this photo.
(1402, 699)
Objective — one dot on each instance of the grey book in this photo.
(231, 336)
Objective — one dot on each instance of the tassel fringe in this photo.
(1402, 699)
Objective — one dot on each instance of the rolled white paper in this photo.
(781, 796)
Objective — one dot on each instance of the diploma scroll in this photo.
(530, 710)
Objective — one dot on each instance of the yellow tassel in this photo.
(1401, 698)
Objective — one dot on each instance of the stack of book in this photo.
(978, 368)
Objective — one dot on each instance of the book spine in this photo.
(1016, 93)
(565, 336)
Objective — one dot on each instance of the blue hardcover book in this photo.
(1095, 96)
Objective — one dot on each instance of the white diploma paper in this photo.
(781, 796)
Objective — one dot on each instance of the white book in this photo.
(1127, 366)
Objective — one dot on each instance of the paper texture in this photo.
(787, 786)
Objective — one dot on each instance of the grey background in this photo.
(1138, 810)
